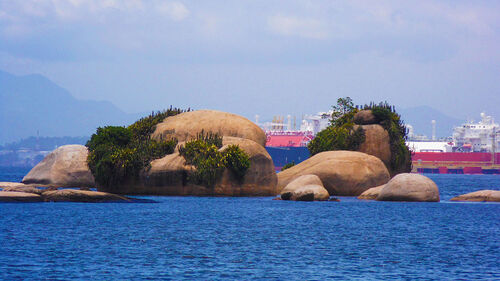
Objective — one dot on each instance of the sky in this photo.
(260, 57)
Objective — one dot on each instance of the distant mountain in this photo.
(421, 117)
(32, 103)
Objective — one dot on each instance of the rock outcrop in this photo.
(64, 167)
(186, 126)
(365, 117)
(343, 173)
(19, 197)
(305, 188)
(410, 187)
(312, 192)
(20, 187)
(72, 195)
(169, 176)
(377, 143)
(479, 196)
(372, 193)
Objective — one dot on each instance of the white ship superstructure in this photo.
(477, 137)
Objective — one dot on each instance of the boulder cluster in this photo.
(339, 173)
(361, 173)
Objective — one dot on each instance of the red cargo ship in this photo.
(456, 162)
(468, 151)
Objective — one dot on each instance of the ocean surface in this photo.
(200, 238)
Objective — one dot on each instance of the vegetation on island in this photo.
(203, 153)
(118, 154)
(343, 134)
(288, 165)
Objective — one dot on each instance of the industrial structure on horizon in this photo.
(470, 150)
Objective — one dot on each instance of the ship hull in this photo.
(456, 163)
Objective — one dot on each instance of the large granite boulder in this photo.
(73, 195)
(377, 143)
(372, 193)
(19, 197)
(479, 196)
(410, 187)
(20, 187)
(343, 173)
(169, 176)
(186, 126)
(305, 188)
(64, 167)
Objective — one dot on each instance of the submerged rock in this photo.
(73, 195)
(20, 187)
(479, 196)
(19, 197)
(64, 167)
(343, 173)
(410, 187)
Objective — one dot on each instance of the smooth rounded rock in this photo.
(409, 188)
(73, 195)
(19, 197)
(186, 126)
(66, 166)
(312, 192)
(302, 181)
(343, 173)
(479, 196)
(372, 193)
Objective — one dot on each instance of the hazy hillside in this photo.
(421, 117)
(34, 103)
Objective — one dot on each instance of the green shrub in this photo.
(206, 158)
(110, 136)
(236, 160)
(119, 154)
(203, 153)
(341, 134)
(288, 165)
(145, 126)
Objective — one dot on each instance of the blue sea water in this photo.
(254, 238)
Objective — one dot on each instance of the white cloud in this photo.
(174, 10)
(301, 27)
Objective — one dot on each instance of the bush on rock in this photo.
(347, 131)
(119, 154)
(341, 134)
(205, 155)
